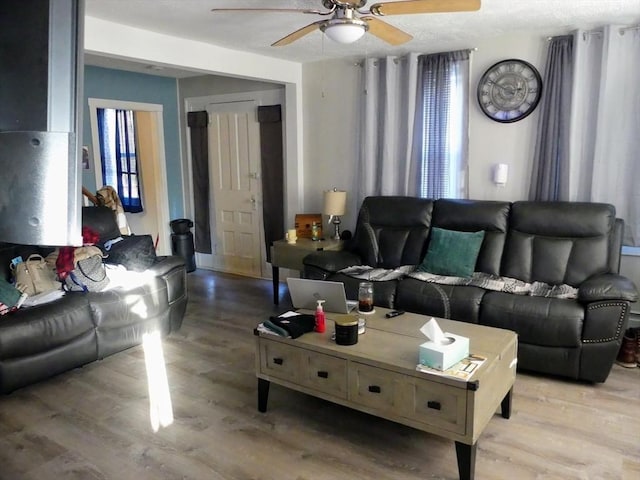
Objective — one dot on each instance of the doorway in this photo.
(236, 190)
(235, 234)
(154, 220)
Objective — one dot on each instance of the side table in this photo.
(290, 255)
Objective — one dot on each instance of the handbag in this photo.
(80, 253)
(34, 276)
(134, 252)
(88, 276)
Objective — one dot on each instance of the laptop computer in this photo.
(305, 293)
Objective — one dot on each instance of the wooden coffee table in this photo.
(378, 376)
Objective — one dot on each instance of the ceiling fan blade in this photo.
(276, 10)
(424, 6)
(298, 34)
(386, 32)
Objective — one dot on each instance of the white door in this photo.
(234, 159)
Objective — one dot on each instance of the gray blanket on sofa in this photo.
(479, 279)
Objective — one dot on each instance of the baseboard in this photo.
(634, 320)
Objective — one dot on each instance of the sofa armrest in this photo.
(329, 261)
(165, 264)
(609, 286)
(172, 269)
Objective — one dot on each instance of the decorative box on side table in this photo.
(290, 255)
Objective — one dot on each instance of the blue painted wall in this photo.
(137, 87)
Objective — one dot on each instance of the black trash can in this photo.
(181, 225)
(182, 242)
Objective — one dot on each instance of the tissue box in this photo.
(442, 356)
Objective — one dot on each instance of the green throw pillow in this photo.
(452, 253)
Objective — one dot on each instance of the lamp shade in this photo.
(335, 202)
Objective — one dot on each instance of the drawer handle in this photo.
(434, 405)
(278, 360)
(323, 374)
(374, 389)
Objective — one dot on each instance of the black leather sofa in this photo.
(576, 244)
(42, 341)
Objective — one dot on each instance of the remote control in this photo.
(394, 313)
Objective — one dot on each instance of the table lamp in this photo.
(335, 202)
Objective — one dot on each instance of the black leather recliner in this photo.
(578, 244)
(42, 341)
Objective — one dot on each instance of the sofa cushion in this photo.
(123, 315)
(558, 242)
(463, 215)
(457, 302)
(550, 322)
(33, 330)
(392, 231)
(452, 253)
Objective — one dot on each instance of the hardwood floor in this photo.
(94, 422)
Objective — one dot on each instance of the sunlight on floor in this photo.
(160, 408)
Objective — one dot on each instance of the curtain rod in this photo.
(626, 29)
(585, 35)
(398, 59)
(598, 33)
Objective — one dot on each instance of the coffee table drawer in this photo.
(440, 406)
(280, 360)
(325, 373)
(375, 387)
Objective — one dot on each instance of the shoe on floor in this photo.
(627, 354)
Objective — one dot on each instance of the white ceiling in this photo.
(256, 31)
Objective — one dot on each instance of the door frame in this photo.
(195, 104)
(162, 207)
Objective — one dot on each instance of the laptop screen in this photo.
(305, 294)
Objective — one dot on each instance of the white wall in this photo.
(332, 91)
(331, 117)
(491, 142)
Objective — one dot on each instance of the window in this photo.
(443, 116)
(117, 135)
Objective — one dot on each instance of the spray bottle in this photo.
(320, 325)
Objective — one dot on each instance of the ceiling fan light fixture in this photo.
(344, 30)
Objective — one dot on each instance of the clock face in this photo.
(509, 90)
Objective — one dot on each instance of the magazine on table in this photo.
(463, 370)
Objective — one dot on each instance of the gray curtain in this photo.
(550, 175)
(441, 140)
(388, 108)
(605, 122)
(271, 154)
(198, 123)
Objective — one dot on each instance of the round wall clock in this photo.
(509, 90)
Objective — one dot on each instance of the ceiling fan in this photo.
(348, 22)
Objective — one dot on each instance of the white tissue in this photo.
(433, 332)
